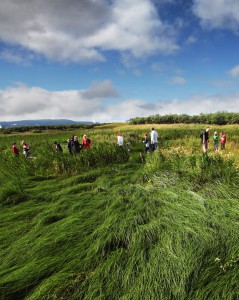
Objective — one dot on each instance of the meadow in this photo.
(109, 224)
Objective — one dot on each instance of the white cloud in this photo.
(193, 106)
(23, 102)
(218, 13)
(71, 30)
(234, 72)
(178, 80)
(202, 104)
(221, 83)
(191, 40)
(16, 57)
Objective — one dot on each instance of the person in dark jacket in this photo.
(77, 147)
(205, 140)
(146, 143)
(70, 144)
(58, 147)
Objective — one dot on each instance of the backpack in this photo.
(201, 134)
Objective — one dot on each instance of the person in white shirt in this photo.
(120, 139)
(26, 149)
(154, 138)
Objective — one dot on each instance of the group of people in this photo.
(74, 146)
(150, 143)
(216, 139)
(25, 148)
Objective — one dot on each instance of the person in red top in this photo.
(223, 140)
(15, 151)
(86, 142)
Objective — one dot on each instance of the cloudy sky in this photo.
(111, 60)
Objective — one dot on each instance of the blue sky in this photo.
(112, 60)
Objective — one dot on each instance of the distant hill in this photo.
(41, 122)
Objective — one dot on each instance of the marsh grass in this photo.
(109, 226)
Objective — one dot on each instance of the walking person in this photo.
(154, 139)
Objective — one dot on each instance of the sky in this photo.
(112, 60)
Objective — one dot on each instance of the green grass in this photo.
(108, 226)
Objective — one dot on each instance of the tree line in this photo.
(40, 128)
(219, 118)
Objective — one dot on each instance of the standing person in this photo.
(205, 140)
(146, 143)
(58, 147)
(120, 139)
(223, 140)
(216, 141)
(26, 149)
(154, 139)
(70, 144)
(86, 142)
(15, 150)
(76, 145)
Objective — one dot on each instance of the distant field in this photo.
(112, 224)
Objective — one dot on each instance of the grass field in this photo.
(107, 224)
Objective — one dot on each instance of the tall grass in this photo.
(103, 225)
